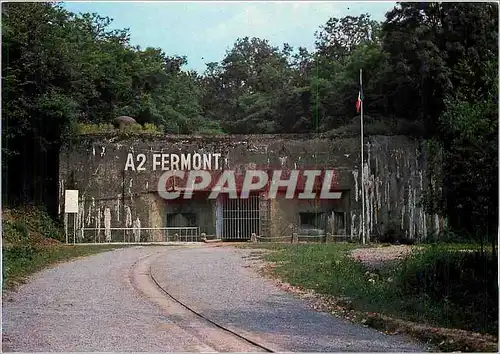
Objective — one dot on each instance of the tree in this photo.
(468, 135)
(339, 37)
(436, 49)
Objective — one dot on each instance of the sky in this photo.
(204, 31)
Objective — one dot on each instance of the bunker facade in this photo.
(120, 195)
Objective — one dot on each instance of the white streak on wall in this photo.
(147, 186)
(98, 222)
(378, 198)
(371, 203)
(397, 165)
(103, 151)
(387, 187)
(130, 188)
(81, 213)
(353, 227)
(378, 184)
(137, 230)
(403, 217)
(422, 210)
(90, 214)
(107, 224)
(93, 150)
(369, 150)
(128, 219)
(366, 184)
(118, 206)
(128, 216)
(411, 205)
(356, 189)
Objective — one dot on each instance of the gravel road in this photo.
(218, 282)
(101, 303)
(104, 303)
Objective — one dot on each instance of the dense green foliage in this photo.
(429, 69)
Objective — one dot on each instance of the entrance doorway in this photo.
(240, 217)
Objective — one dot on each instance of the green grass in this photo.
(436, 286)
(18, 262)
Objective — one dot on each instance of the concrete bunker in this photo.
(120, 201)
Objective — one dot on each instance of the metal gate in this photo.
(240, 218)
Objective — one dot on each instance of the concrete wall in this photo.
(110, 196)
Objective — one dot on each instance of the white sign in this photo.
(71, 201)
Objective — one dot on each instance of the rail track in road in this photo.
(216, 336)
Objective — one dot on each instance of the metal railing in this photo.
(136, 235)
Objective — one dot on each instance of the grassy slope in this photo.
(438, 287)
(31, 241)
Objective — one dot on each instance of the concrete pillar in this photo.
(218, 217)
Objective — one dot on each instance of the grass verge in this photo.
(436, 293)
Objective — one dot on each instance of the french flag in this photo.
(360, 96)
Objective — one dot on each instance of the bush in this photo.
(29, 224)
(447, 236)
(380, 126)
(394, 234)
(460, 287)
(133, 129)
(83, 129)
(391, 234)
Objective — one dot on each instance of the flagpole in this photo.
(362, 164)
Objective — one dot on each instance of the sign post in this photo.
(70, 207)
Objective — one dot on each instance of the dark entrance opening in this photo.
(312, 224)
(181, 219)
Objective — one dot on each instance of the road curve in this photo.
(219, 283)
(108, 302)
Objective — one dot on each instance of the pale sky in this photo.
(203, 31)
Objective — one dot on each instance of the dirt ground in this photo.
(376, 256)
